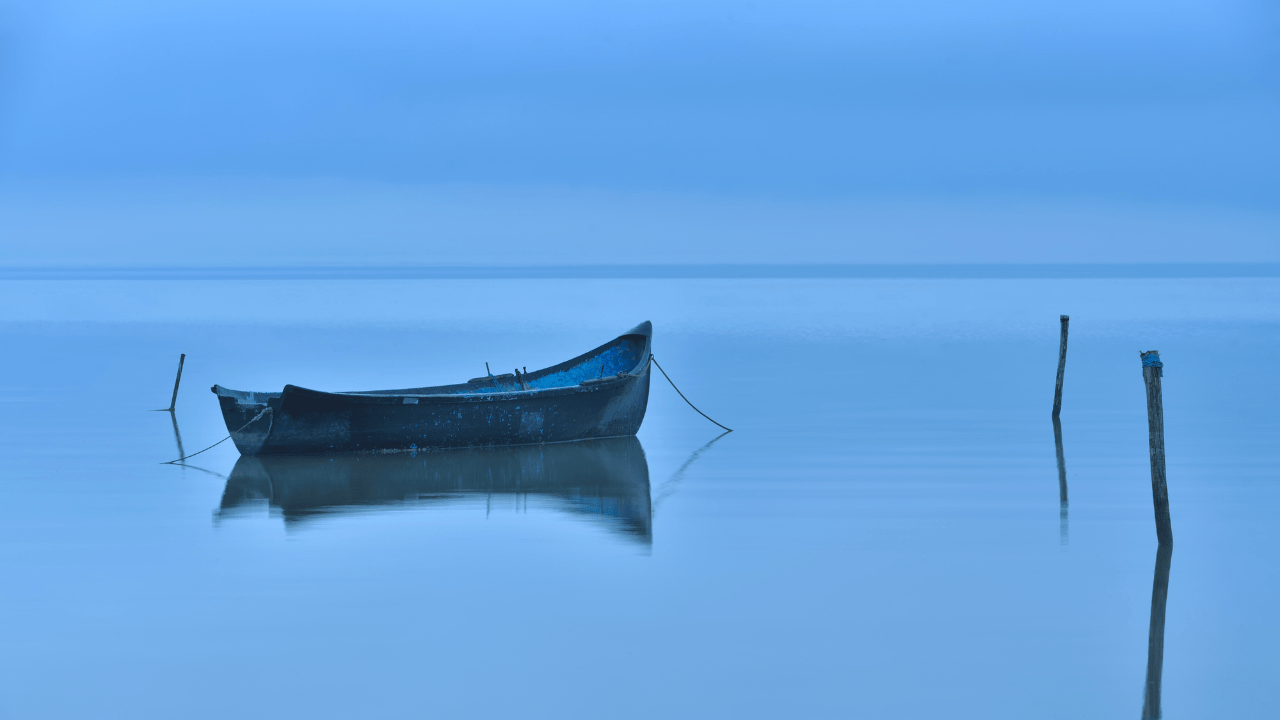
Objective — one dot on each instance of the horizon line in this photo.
(655, 271)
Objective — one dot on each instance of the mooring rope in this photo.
(268, 409)
(682, 397)
(265, 410)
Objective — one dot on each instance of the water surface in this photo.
(883, 534)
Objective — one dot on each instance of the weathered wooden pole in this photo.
(1062, 368)
(1155, 636)
(174, 402)
(1152, 371)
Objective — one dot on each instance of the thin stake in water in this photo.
(1152, 371)
(173, 402)
(1062, 368)
(176, 381)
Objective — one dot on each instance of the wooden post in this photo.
(174, 402)
(1062, 367)
(1155, 636)
(1152, 371)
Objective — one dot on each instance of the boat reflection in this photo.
(606, 479)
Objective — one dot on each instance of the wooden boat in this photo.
(602, 393)
(606, 481)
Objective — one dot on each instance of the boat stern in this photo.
(248, 416)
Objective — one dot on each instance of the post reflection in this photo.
(177, 435)
(606, 479)
(1062, 480)
(1155, 638)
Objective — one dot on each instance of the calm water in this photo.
(881, 536)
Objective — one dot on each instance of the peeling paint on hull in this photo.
(602, 393)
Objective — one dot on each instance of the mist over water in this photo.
(882, 534)
(281, 132)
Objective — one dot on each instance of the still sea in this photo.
(883, 535)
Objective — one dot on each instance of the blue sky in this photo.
(802, 131)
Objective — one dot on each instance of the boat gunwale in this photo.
(609, 381)
(396, 397)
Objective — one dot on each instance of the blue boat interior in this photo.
(626, 354)
(623, 355)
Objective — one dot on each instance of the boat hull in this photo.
(309, 421)
(300, 421)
